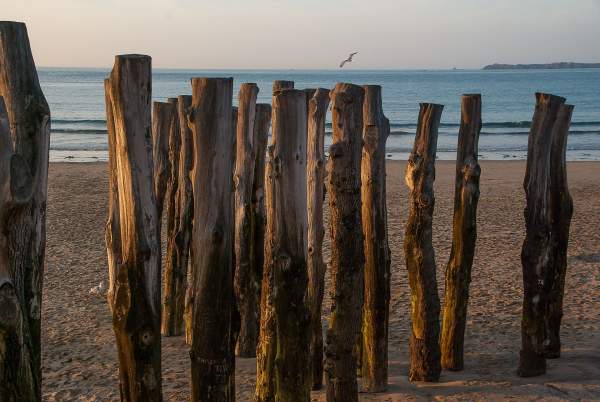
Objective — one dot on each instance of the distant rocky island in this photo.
(552, 66)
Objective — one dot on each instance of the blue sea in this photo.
(76, 98)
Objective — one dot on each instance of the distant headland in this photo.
(552, 66)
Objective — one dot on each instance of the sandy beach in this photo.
(79, 352)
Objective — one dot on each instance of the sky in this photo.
(309, 34)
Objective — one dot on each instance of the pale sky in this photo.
(308, 34)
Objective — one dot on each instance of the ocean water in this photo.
(76, 98)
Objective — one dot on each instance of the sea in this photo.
(76, 98)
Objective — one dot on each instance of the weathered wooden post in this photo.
(318, 103)
(283, 351)
(164, 116)
(18, 379)
(464, 235)
(278, 85)
(135, 298)
(24, 176)
(418, 249)
(175, 275)
(176, 285)
(376, 129)
(246, 289)
(536, 255)
(211, 353)
(347, 254)
(562, 211)
(262, 123)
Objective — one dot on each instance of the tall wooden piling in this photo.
(24, 176)
(283, 351)
(178, 232)
(347, 254)
(262, 123)
(184, 210)
(376, 129)
(244, 280)
(318, 103)
(536, 255)
(211, 353)
(135, 300)
(464, 235)
(164, 116)
(418, 249)
(562, 211)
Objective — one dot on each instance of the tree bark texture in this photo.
(418, 249)
(213, 361)
(318, 103)
(25, 120)
(376, 306)
(283, 350)
(135, 298)
(562, 211)
(246, 287)
(536, 255)
(347, 253)
(464, 235)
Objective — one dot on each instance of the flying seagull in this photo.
(349, 59)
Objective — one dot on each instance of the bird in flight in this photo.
(348, 60)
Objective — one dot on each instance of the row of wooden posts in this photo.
(248, 221)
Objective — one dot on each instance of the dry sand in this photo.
(79, 355)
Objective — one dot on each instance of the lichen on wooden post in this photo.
(211, 352)
(283, 351)
(244, 281)
(135, 297)
(464, 235)
(376, 129)
(25, 119)
(536, 254)
(562, 211)
(347, 253)
(318, 102)
(418, 249)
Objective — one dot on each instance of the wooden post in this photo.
(17, 372)
(347, 254)
(135, 300)
(562, 211)
(178, 233)
(315, 167)
(418, 249)
(244, 282)
(176, 284)
(376, 304)
(536, 255)
(278, 85)
(283, 351)
(262, 124)
(213, 362)
(164, 116)
(24, 223)
(464, 235)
